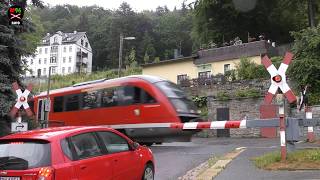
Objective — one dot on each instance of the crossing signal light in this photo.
(277, 78)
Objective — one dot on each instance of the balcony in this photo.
(82, 54)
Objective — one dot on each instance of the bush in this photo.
(223, 96)
(247, 93)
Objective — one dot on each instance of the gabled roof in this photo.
(66, 37)
(256, 48)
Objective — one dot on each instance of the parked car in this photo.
(75, 153)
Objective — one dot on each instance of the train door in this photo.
(127, 100)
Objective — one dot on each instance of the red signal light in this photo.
(277, 78)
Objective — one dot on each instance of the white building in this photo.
(65, 53)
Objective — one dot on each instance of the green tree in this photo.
(305, 68)
(11, 51)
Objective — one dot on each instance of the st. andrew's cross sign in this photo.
(22, 100)
(278, 78)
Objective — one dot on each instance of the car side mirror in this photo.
(135, 145)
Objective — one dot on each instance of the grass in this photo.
(300, 159)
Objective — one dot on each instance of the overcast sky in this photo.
(137, 5)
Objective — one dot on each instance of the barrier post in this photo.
(310, 135)
(282, 123)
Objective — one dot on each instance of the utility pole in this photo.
(120, 54)
(311, 14)
(120, 51)
(47, 103)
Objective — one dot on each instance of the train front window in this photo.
(170, 89)
(177, 97)
(183, 105)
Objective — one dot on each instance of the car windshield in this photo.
(24, 155)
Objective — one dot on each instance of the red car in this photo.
(74, 153)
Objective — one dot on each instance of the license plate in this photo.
(9, 178)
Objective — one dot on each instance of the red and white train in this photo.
(138, 106)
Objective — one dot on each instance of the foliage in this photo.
(157, 33)
(247, 93)
(230, 75)
(247, 69)
(305, 69)
(58, 81)
(200, 101)
(12, 47)
(219, 21)
(223, 96)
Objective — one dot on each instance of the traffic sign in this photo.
(21, 100)
(19, 126)
(278, 78)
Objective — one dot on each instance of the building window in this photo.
(53, 70)
(81, 42)
(53, 59)
(45, 60)
(31, 61)
(39, 60)
(44, 71)
(63, 70)
(226, 68)
(46, 50)
(40, 50)
(64, 49)
(70, 58)
(69, 69)
(70, 48)
(54, 49)
(64, 60)
(205, 74)
(181, 78)
(86, 44)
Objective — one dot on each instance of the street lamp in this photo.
(47, 102)
(120, 50)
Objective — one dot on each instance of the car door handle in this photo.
(83, 167)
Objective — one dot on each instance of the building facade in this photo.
(209, 62)
(62, 53)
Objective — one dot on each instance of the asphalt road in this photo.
(175, 159)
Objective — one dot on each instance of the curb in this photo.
(214, 170)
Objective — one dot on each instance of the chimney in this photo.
(74, 32)
(48, 34)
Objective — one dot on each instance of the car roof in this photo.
(50, 134)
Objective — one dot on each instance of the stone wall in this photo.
(238, 109)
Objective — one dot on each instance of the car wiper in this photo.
(12, 160)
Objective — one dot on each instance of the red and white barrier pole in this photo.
(310, 135)
(282, 129)
(210, 125)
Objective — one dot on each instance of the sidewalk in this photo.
(242, 168)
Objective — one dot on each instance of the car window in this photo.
(113, 142)
(85, 145)
(24, 155)
(65, 146)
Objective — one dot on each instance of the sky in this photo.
(137, 5)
